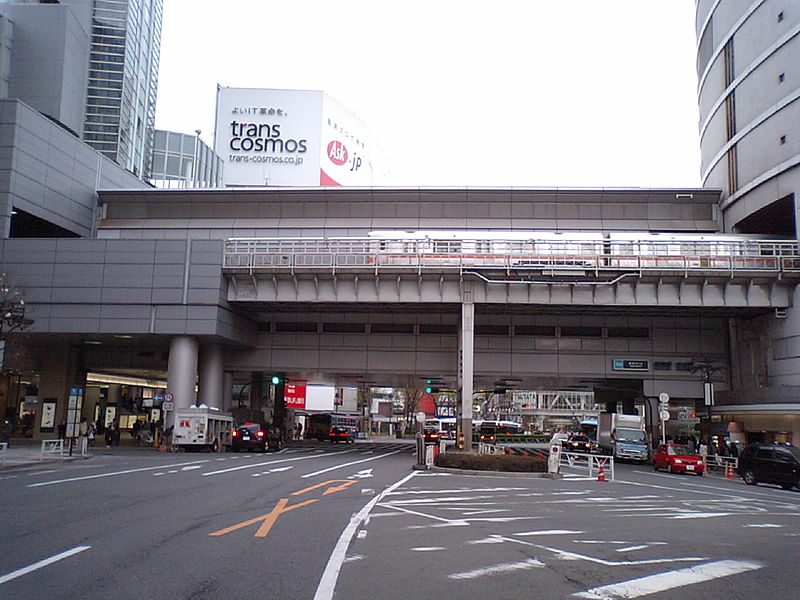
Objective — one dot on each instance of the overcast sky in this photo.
(541, 93)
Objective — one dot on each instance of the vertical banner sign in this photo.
(74, 406)
(294, 395)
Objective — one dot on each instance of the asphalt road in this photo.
(185, 526)
(355, 522)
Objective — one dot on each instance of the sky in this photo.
(527, 93)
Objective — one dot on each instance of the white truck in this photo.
(202, 428)
(624, 436)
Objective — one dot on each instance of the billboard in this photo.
(289, 138)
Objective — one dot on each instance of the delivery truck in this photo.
(202, 428)
(623, 436)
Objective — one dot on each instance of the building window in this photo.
(491, 329)
(343, 327)
(629, 332)
(662, 366)
(296, 327)
(536, 330)
(391, 328)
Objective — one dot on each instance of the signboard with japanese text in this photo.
(294, 394)
(270, 137)
(621, 364)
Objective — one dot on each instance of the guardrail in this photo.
(308, 254)
(715, 461)
(3, 452)
(52, 448)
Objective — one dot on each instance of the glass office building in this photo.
(184, 161)
(123, 76)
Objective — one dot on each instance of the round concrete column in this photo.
(181, 373)
(227, 391)
(210, 384)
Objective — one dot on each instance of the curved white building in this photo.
(748, 91)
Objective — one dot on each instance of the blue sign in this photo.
(621, 364)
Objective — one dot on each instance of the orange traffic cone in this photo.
(601, 476)
(729, 471)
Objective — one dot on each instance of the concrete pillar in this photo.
(60, 368)
(227, 391)
(181, 373)
(256, 394)
(210, 380)
(466, 365)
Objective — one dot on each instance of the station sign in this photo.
(623, 364)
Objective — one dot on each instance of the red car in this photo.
(677, 459)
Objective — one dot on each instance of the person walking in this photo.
(703, 452)
(109, 435)
(92, 430)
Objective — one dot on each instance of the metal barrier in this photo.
(52, 448)
(484, 448)
(715, 461)
(592, 462)
(3, 452)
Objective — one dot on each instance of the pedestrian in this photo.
(92, 430)
(733, 450)
(690, 444)
(703, 452)
(109, 435)
(116, 434)
(62, 430)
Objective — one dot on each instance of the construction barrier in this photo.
(52, 448)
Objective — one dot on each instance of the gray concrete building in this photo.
(748, 90)
(183, 160)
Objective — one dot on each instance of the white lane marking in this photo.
(453, 522)
(764, 525)
(42, 563)
(549, 532)
(365, 474)
(98, 475)
(460, 491)
(671, 579)
(281, 469)
(355, 462)
(327, 582)
(354, 557)
(158, 474)
(192, 467)
(367, 491)
(428, 548)
(501, 568)
(362, 534)
(254, 465)
(489, 540)
(633, 548)
(697, 515)
(220, 459)
(42, 472)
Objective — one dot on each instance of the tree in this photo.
(12, 312)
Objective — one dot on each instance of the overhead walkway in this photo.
(691, 270)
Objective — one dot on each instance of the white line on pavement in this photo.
(501, 568)
(327, 583)
(355, 462)
(42, 563)
(98, 475)
(270, 462)
(669, 580)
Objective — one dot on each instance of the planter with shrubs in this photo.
(491, 462)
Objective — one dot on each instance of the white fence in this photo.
(591, 462)
(52, 448)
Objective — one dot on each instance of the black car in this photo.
(255, 436)
(578, 442)
(342, 434)
(770, 463)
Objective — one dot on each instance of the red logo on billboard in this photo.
(337, 152)
(295, 395)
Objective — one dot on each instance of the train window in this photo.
(629, 332)
(427, 328)
(491, 329)
(662, 366)
(391, 328)
(684, 366)
(583, 332)
(296, 327)
(537, 330)
(343, 327)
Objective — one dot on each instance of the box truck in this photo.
(202, 428)
(624, 436)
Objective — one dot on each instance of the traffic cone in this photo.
(601, 476)
(729, 471)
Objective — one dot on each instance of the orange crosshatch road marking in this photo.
(268, 520)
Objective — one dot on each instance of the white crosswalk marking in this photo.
(669, 580)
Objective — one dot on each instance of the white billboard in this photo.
(289, 138)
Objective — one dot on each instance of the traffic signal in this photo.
(277, 380)
(428, 389)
